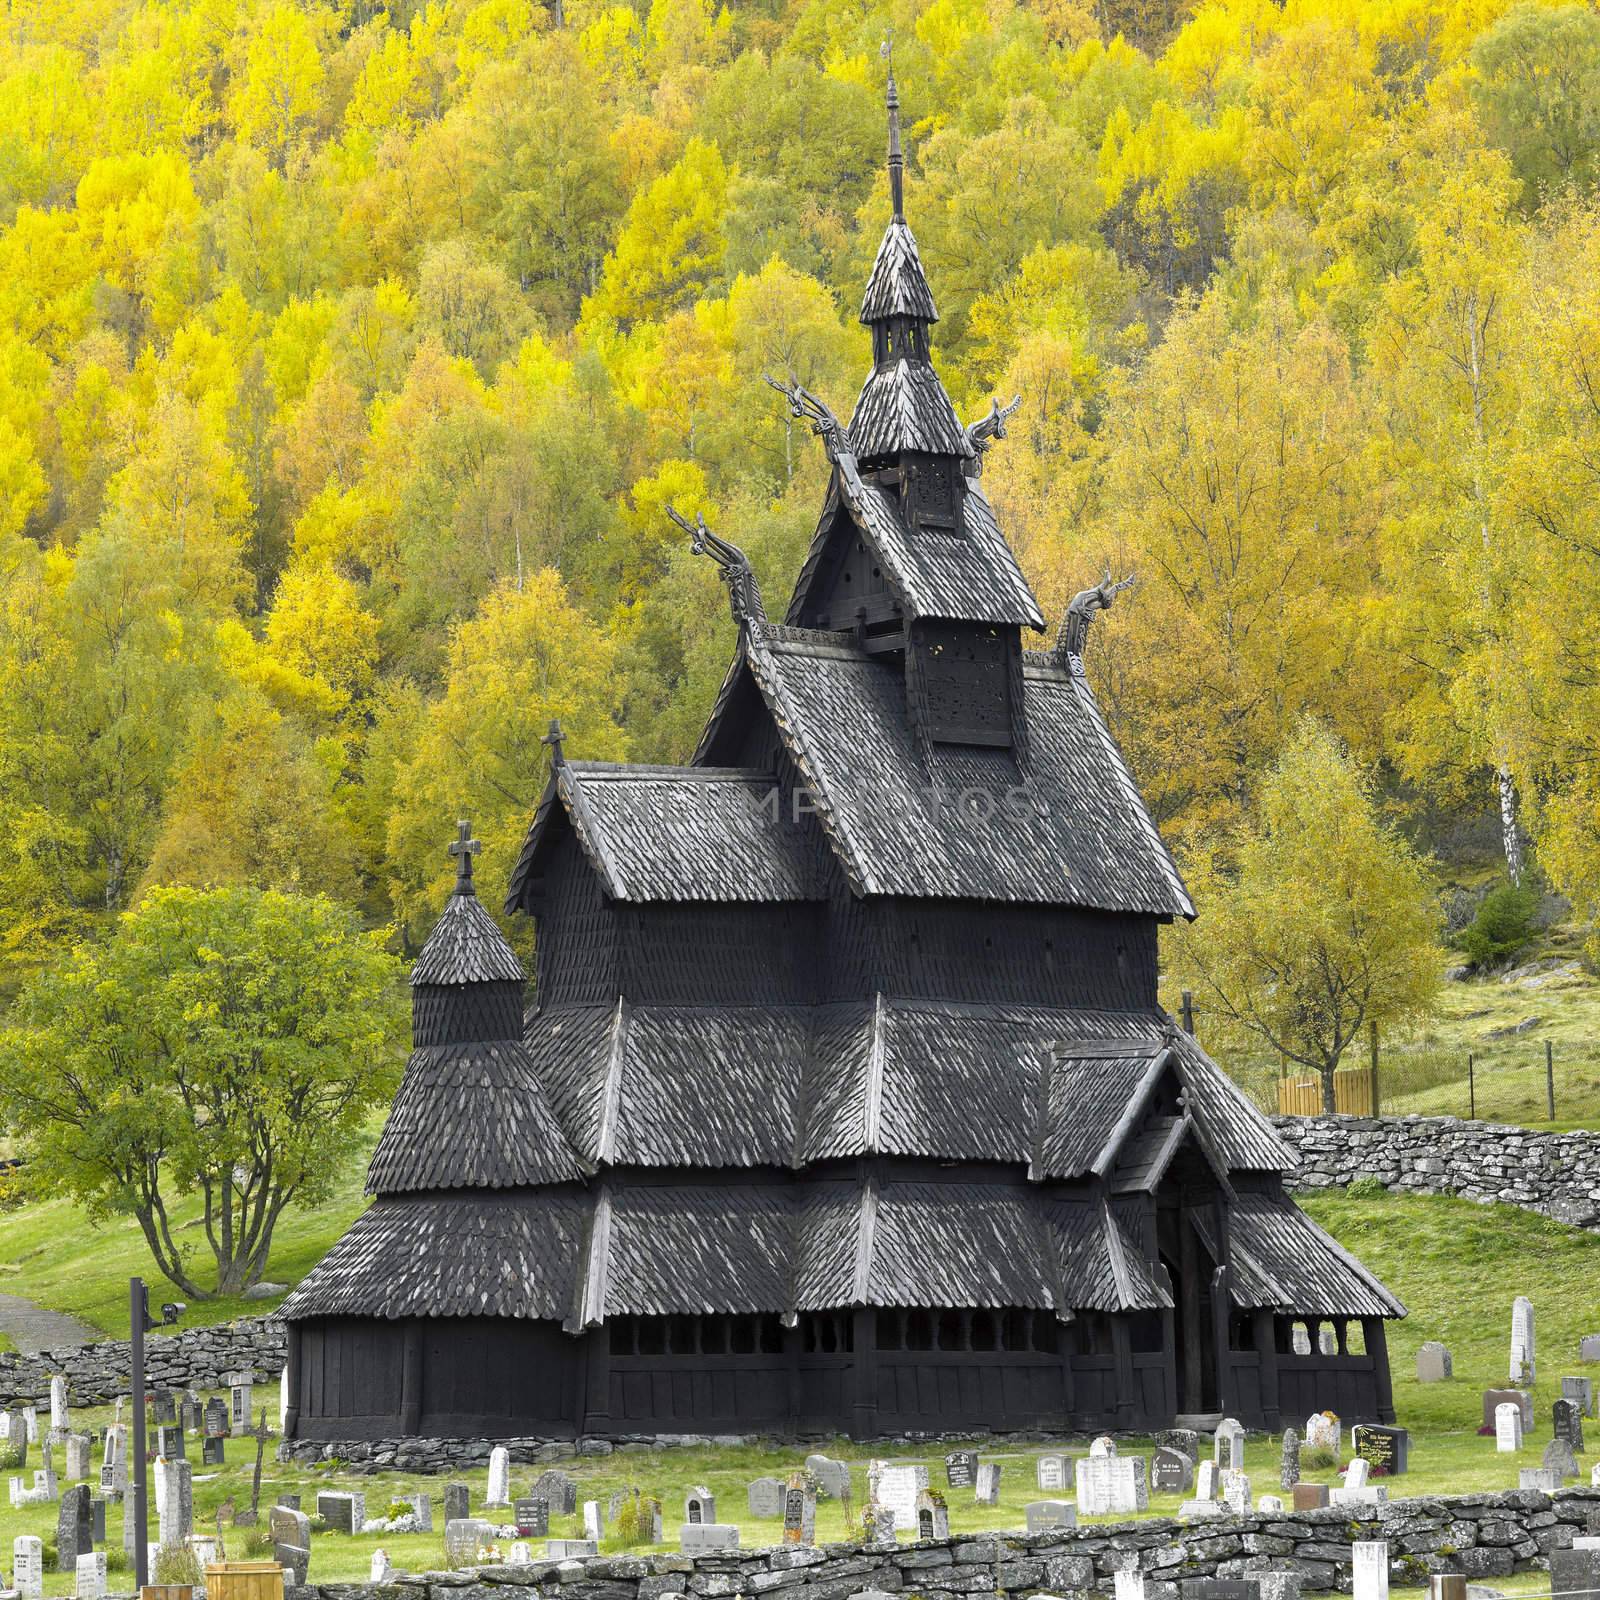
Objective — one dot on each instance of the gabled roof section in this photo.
(466, 947)
(1069, 829)
(902, 406)
(897, 286)
(676, 834)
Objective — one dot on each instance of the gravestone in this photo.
(27, 1566)
(530, 1514)
(30, 1423)
(700, 1506)
(706, 1538)
(1051, 1472)
(1046, 1515)
(1289, 1459)
(80, 1456)
(1580, 1391)
(1388, 1449)
(458, 1502)
(174, 1502)
(1111, 1485)
(1542, 1479)
(1128, 1584)
(1559, 1459)
(499, 1490)
(1270, 1502)
(240, 1398)
(1236, 1491)
(169, 1442)
(1219, 1589)
(74, 1527)
(1369, 1569)
(1523, 1366)
(191, 1413)
(961, 1469)
(60, 1418)
(1171, 1471)
(1105, 1445)
(422, 1510)
(89, 1575)
(343, 1512)
(1227, 1444)
(933, 1516)
(463, 1538)
(1520, 1398)
(988, 1484)
(1206, 1481)
(1433, 1363)
(558, 1491)
(1310, 1496)
(216, 1417)
(1589, 1347)
(292, 1501)
(521, 1553)
(213, 1452)
(570, 1549)
(1357, 1473)
(594, 1524)
(1508, 1428)
(878, 1525)
(799, 1511)
(764, 1498)
(379, 1571)
(1576, 1572)
(163, 1409)
(1184, 1439)
(1567, 1423)
(1323, 1431)
(898, 1488)
(97, 1520)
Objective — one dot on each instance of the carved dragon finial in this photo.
(826, 426)
(744, 593)
(983, 433)
(1080, 613)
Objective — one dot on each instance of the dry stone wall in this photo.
(1557, 1174)
(197, 1358)
(1485, 1536)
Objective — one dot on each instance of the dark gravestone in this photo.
(339, 1512)
(1184, 1439)
(190, 1414)
(74, 1528)
(532, 1517)
(558, 1491)
(457, 1502)
(165, 1413)
(216, 1418)
(1567, 1421)
(1171, 1471)
(291, 1541)
(169, 1442)
(213, 1452)
(961, 1469)
(1575, 1573)
(290, 1502)
(1388, 1449)
(97, 1520)
(1508, 1397)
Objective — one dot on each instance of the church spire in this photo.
(897, 163)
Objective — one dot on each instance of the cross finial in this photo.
(897, 195)
(464, 849)
(553, 738)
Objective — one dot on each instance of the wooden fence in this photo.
(1352, 1094)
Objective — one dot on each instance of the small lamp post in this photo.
(139, 1323)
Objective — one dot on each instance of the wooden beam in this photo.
(1376, 1337)
(1267, 1346)
(411, 1379)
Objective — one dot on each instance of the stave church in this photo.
(843, 1101)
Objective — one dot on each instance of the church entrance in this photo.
(1190, 1269)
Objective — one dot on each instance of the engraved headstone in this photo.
(80, 1457)
(521, 1553)
(97, 1520)
(1523, 1366)
(1222, 1443)
(1111, 1485)
(89, 1575)
(174, 1502)
(169, 1442)
(1567, 1423)
(961, 1469)
(27, 1566)
(343, 1512)
(1388, 1449)
(1433, 1363)
(1323, 1431)
(1236, 1491)
(799, 1512)
(1369, 1569)
(988, 1484)
(457, 1502)
(594, 1523)
(1310, 1496)
(499, 1490)
(570, 1549)
(1520, 1398)
(60, 1419)
(213, 1452)
(706, 1538)
(933, 1516)
(1580, 1391)
(1046, 1515)
(1052, 1472)
(216, 1417)
(1289, 1459)
(1559, 1459)
(74, 1527)
(765, 1498)
(878, 1525)
(163, 1409)
(191, 1414)
(898, 1488)
(1542, 1479)
(463, 1538)
(699, 1506)
(1589, 1347)
(558, 1491)
(530, 1514)
(1357, 1473)
(240, 1398)
(1270, 1502)
(1171, 1471)
(1508, 1429)
(1206, 1481)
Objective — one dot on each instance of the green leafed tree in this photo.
(227, 1043)
(1326, 923)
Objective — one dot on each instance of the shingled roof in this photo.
(676, 833)
(897, 285)
(1066, 828)
(466, 946)
(903, 406)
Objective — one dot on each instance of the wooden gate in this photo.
(1352, 1094)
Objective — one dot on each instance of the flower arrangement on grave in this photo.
(1377, 1467)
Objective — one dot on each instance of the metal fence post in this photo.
(1373, 1037)
(1472, 1091)
(1550, 1078)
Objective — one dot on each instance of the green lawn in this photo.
(1456, 1265)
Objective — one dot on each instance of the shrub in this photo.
(177, 1563)
(257, 1544)
(1366, 1187)
(1503, 927)
(1318, 1459)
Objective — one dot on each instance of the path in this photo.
(31, 1328)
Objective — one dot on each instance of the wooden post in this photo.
(1372, 1035)
(1189, 1289)
(1377, 1342)
(1126, 1402)
(1266, 1343)
(1188, 1013)
(1550, 1078)
(411, 1379)
(291, 1356)
(1472, 1091)
(864, 1372)
(597, 1380)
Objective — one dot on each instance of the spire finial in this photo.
(464, 849)
(553, 738)
(897, 182)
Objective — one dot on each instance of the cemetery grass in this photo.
(1457, 1266)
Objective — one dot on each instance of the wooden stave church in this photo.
(846, 1102)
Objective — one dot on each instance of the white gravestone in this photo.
(1434, 1364)
(1523, 1363)
(1369, 1574)
(898, 1489)
(1236, 1491)
(594, 1524)
(521, 1553)
(1111, 1485)
(60, 1420)
(1105, 1445)
(1508, 1429)
(30, 1421)
(1270, 1502)
(987, 1489)
(1129, 1585)
(380, 1571)
(27, 1566)
(90, 1576)
(240, 1399)
(1357, 1473)
(283, 1399)
(1323, 1431)
(1052, 1472)
(1205, 1481)
(499, 1477)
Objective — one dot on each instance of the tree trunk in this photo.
(1510, 834)
(1329, 1105)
